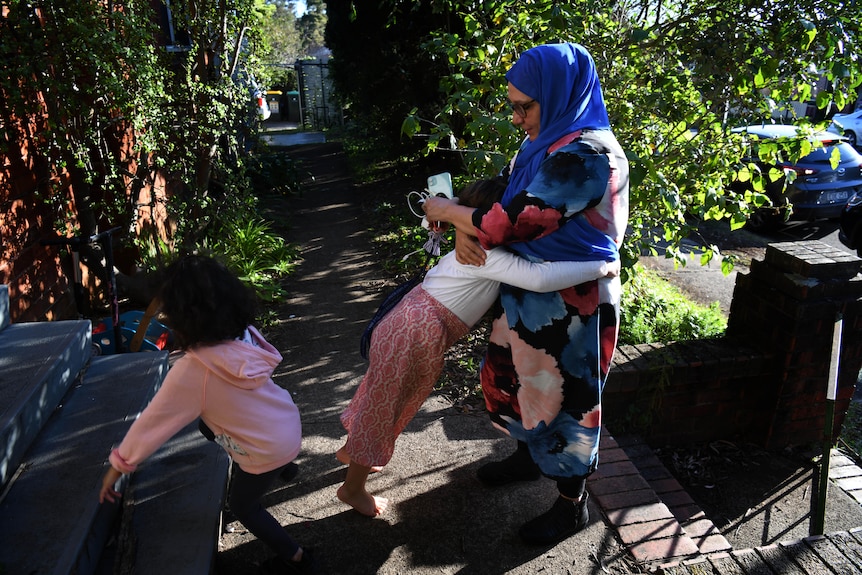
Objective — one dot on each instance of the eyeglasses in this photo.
(521, 109)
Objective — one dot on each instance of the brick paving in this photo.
(664, 529)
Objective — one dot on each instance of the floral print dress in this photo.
(549, 353)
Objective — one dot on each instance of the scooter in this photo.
(133, 330)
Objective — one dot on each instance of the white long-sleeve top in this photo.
(468, 291)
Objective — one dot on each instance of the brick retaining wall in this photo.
(766, 380)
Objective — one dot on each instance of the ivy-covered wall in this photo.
(38, 286)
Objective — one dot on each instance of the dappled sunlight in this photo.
(39, 362)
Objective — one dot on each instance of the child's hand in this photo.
(108, 493)
(467, 250)
(613, 269)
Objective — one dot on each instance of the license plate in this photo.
(832, 197)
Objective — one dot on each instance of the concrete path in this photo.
(441, 519)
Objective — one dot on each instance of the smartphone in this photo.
(441, 185)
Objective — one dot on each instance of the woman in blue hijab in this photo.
(549, 354)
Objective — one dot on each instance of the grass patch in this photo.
(258, 254)
(655, 311)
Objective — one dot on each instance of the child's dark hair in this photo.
(204, 303)
(482, 194)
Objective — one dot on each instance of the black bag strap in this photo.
(391, 300)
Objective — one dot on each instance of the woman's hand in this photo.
(436, 209)
(467, 249)
(613, 268)
(108, 493)
(444, 210)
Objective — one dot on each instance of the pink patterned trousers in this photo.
(405, 361)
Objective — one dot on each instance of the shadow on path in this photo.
(440, 520)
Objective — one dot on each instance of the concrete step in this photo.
(172, 509)
(50, 517)
(38, 363)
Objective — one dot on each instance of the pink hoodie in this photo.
(230, 387)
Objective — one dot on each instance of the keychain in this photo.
(435, 238)
(438, 185)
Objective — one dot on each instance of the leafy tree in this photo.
(379, 67)
(312, 26)
(676, 76)
(283, 43)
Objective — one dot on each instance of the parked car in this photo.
(850, 228)
(817, 190)
(261, 105)
(850, 125)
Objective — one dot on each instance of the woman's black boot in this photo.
(564, 519)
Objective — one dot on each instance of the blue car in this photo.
(818, 191)
(850, 230)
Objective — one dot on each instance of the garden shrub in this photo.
(655, 311)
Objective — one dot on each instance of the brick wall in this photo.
(766, 380)
(38, 286)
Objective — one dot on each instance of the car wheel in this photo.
(763, 220)
(851, 137)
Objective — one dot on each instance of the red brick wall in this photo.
(689, 392)
(38, 276)
(36, 201)
(788, 304)
(766, 381)
(37, 285)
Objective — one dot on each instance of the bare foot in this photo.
(341, 455)
(363, 502)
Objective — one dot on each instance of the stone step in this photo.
(172, 509)
(50, 517)
(38, 363)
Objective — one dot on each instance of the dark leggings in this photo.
(569, 487)
(246, 491)
(572, 487)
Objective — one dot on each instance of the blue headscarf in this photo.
(562, 78)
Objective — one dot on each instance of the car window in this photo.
(824, 154)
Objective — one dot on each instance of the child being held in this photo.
(408, 345)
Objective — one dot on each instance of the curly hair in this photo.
(204, 303)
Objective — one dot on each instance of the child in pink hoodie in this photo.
(225, 379)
